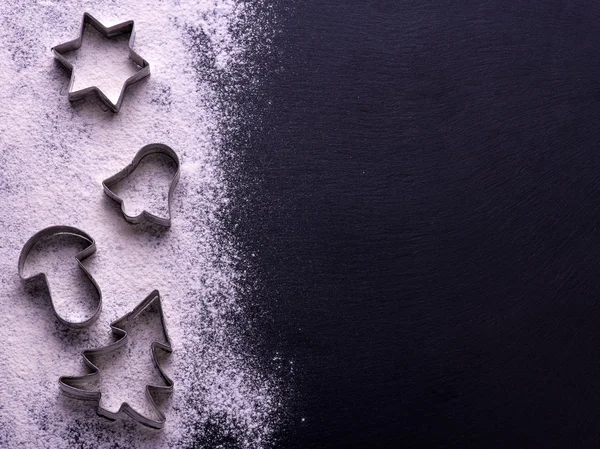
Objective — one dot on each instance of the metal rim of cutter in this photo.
(108, 32)
(145, 151)
(88, 251)
(70, 385)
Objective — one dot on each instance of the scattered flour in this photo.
(53, 158)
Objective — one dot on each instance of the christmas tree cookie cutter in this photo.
(88, 251)
(73, 386)
(108, 32)
(108, 183)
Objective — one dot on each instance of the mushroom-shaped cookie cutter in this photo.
(88, 251)
(107, 184)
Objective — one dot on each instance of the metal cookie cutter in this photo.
(108, 32)
(145, 151)
(88, 251)
(72, 386)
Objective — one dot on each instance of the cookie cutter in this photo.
(71, 385)
(145, 151)
(108, 32)
(88, 251)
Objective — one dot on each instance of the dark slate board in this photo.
(425, 222)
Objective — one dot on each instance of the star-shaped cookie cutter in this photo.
(108, 183)
(108, 32)
(71, 386)
(88, 251)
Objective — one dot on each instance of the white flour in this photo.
(53, 158)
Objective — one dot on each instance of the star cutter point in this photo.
(107, 32)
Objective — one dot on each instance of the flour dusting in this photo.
(53, 159)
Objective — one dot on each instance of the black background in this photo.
(425, 222)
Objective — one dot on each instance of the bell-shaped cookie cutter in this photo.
(108, 32)
(72, 386)
(108, 183)
(88, 251)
